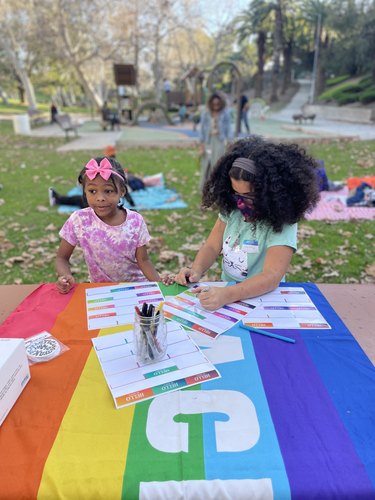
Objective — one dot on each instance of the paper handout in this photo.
(129, 382)
(286, 308)
(113, 305)
(186, 309)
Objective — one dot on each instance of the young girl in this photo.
(113, 239)
(261, 190)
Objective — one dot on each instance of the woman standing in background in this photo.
(215, 132)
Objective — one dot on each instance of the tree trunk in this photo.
(21, 94)
(287, 73)
(261, 48)
(88, 89)
(4, 97)
(21, 74)
(321, 66)
(277, 48)
(157, 73)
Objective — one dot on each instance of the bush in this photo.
(352, 88)
(338, 79)
(330, 94)
(344, 94)
(346, 98)
(366, 82)
(368, 95)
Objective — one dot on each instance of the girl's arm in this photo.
(276, 264)
(65, 280)
(145, 265)
(206, 256)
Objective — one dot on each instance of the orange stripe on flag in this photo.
(32, 425)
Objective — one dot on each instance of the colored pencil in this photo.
(267, 334)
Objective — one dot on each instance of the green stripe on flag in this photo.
(144, 463)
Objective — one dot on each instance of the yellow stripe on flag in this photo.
(88, 457)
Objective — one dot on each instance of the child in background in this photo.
(113, 239)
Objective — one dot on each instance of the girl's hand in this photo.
(65, 283)
(187, 275)
(169, 279)
(211, 298)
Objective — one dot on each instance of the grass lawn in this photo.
(340, 252)
(15, 107)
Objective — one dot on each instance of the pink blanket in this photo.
(332, 206)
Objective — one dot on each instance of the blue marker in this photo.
(268, 334)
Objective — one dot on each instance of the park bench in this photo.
(303, 118)
(66, 123)
(37, 117)
(110, 119)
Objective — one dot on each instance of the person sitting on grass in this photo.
(113, 239)
(261, 190)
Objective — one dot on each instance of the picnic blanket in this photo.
(151, 198)
(332, 206)
(284, 421)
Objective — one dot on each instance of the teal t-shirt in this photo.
(244, 248)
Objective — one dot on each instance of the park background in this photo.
(65, 51)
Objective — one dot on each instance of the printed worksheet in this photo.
(113, 305)
(183, 365)
(286, 308)
(186, 309)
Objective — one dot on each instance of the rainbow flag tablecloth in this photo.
(284, 421)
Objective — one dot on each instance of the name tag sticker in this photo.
(250, 246)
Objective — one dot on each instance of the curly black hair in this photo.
(220, 97)
(285, 182)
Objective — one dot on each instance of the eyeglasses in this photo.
(246, 198)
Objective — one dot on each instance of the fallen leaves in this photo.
(169, 255)
(370, 270)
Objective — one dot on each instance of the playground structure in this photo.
(192, 92)
(125, 76)
(192, 87)
(157, 110)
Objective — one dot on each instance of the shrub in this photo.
(336, 80)
(346, 98)
(366, 82)
(367, 95)
(352, 88)
(343, 94)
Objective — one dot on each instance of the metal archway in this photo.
(238, 88)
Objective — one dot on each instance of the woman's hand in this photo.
(65, 283)
(187, 275)
(211, 298)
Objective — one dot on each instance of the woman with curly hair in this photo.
(215, 132)
(261, 190)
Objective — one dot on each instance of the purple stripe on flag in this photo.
(316, 448)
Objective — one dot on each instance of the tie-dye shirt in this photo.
(109, 251)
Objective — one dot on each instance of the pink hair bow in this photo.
(104, 169)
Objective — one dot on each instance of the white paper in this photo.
(129, 382)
